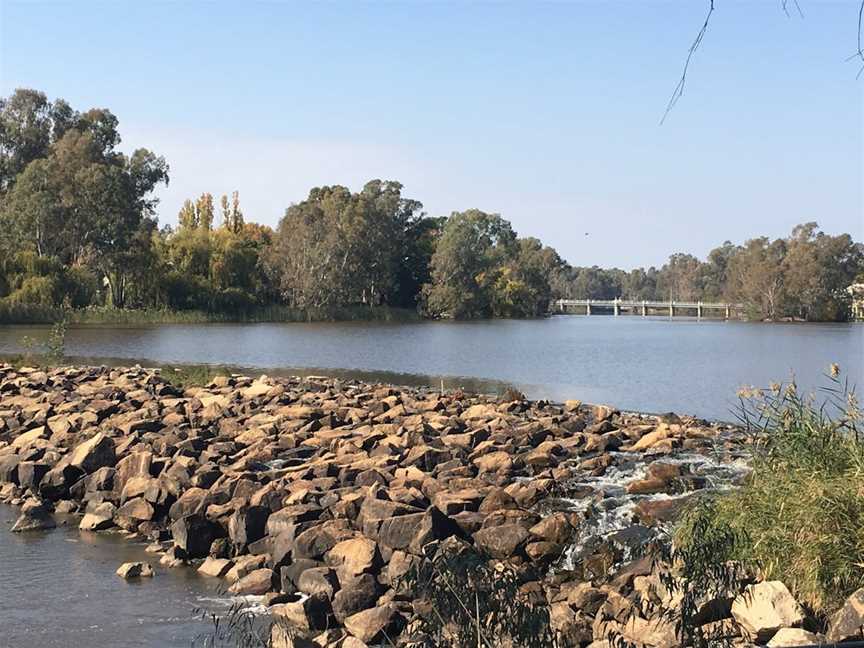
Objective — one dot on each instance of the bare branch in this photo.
(785, 6)
(679, 89)
(860, 54)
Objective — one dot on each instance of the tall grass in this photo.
(799, 516)
(11, 313)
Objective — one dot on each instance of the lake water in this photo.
(58, 589)
(646, 364)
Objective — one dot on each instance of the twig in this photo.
(785, 5)
(679, 89)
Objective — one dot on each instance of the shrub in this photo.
(799, 516)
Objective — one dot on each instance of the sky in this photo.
(547, 113)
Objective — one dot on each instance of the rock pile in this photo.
(321, 494)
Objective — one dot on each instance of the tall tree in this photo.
(472, 247)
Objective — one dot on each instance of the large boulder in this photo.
(368, 624)
(35, 516)
(257, 582)
(194, 534)
(56, 483)
(501, 541)
(97, 452)
(848, 622)
(98, 517)
(357, 594)
(248, 525)
(354, 556)
(763, 608)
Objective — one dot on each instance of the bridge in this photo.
(644, 308)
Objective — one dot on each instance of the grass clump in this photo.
(193, 375)
(799, 516)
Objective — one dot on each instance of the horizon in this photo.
(488, 117)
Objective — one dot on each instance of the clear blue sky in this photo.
(545, 113)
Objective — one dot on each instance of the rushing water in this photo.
(58, 589)
(649, 364)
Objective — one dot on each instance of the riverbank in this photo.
(337, 489)
(35, 314)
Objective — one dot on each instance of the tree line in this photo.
(78, 229)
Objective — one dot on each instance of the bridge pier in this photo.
(727, 311)
(588, 308)
(615, 307)
(671, 309)
(644, 309)
(699, 310)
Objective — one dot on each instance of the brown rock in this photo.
(257, 582)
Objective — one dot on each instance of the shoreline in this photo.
(266, 482)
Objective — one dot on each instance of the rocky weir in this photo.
(318, 495)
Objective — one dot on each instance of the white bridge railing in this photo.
(644, 306)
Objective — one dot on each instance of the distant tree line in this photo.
(803, 276)
(78, 229)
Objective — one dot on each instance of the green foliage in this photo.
(193, 375)
(55, 345)
(78, 230)
(464, 601)
(804, 276)
(338, 247)
(799, 517)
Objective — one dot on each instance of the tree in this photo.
(338, 247)
(755, 277)
(472, 247)
(817, 269)
(679, 278)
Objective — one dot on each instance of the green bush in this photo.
(799, 516)
(38, 291)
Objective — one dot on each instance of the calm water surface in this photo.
(642, 364)
(58, 589)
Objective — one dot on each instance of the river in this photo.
(58, 588)
(645, 364)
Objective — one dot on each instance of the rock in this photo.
(9, 468)
(795, 637)
(502, 541)
(194, 534)
(355, 556)
(284, 635)
(318, 580)
(30, 474)
(135, 570)
(248, 525)
(257, 582)
(848, 622)
(244, 565)
(35, 516)
(98, 518)
(357, 594)
(555, 528)
(137, 509)
(496, 462)
(57, 481)
(215, 567)
(96, 452)
(368, 624)
(307, 613)
(764, 608)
